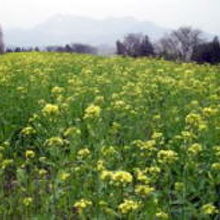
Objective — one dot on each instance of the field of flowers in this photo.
(85, 137)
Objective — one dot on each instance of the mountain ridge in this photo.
(64, 29)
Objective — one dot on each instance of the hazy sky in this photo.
(203, 14)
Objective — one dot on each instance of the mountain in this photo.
(63, 29)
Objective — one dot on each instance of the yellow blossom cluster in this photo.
(50, 109)
(128, 206)
(82, 204)
(29, 154)
(167, 156)
(54, 141)
(28, 130)
(118, 177)
(92, 112)
(209, 209)
(144, 190)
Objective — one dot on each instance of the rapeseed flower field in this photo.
(85, 137)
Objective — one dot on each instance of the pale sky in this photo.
(204, 14)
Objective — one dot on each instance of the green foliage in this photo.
(85, 137)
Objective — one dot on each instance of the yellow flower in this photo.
(193, 119)
(208, 209)
(167, 156)
(64, 106)
(60, 99)
(119, 105)
(143, 190)
(106, 175)
(29, 154)
(117, 177)
(82, 204)
(186, 135)
(54, 141)
(128, 206)
(162, 215)
(27, 201)
(216, 166)
(93, 111)
(50, 109)
(28, 130)
(99, 99)
(153, 170)
(122, 177)
(6, 163)
(64, 176)
(195, 149)
(83, 152)
(208, 111)
(217, 150)
(108, 151)
(148, 145)
(142, 177)
(100, 165)
(145, 145)
(42, 172)
(202, 126)
(157, 135)
(33, 118)
(56, 90)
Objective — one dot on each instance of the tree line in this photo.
(184, 44)
(69, 48)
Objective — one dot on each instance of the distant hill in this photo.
(63, 29)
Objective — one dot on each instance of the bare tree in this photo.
(180, 44)
(2, 47)
(166, 47)
(135, 45)
(132, 44)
